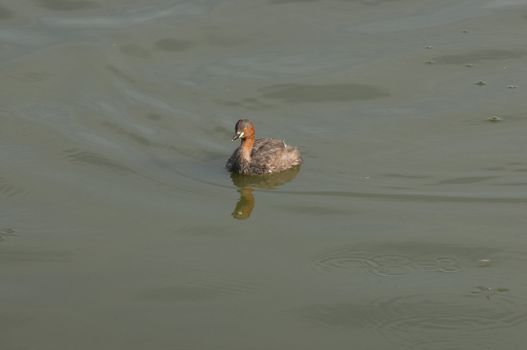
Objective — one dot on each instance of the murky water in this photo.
(404, 229)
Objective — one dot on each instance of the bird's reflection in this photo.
(246, 185)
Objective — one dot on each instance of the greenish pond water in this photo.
(403, 229)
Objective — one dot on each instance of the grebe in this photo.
(260, 156)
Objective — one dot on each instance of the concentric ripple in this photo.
(428, 321)
(423, 319)
(383, 265)
(399, 259)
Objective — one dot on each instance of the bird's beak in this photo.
(238, 135)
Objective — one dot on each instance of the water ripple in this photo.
(121, 19)
(94, 159)
(424, 321)
(33, 255)
(417, 197)
(387, 196)
(197, 291)
(9, 190)
(392, 260)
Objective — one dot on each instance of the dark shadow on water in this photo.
(5, 13)
(6, 232)
(247, 184)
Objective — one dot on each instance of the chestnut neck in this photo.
(247, 147)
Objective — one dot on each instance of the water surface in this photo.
(403, 229)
